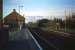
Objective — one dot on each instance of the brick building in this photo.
(14, 20)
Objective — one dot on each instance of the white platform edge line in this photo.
(35, 40)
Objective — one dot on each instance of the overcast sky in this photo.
(38, 7)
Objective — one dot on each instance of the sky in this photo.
(38, 7)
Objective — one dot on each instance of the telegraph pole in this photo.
(20, 24)
(70, 18)
(20, 8)
(65, 20)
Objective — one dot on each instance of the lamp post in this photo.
(65, 20)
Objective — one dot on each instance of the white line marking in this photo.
(35, 40)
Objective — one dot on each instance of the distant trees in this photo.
(70, 22)
(32, 24)
(43, 22)
(59, 21)
(56, 23)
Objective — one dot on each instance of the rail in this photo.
(36, 42)
(43, 42)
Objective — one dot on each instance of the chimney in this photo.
(14, 10)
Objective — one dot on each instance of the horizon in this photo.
(38, 7)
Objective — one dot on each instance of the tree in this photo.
(58, 21)
(32, 24)
(70, 22)
(43, 22)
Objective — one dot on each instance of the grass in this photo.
(61, 30)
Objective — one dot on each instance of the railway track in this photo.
(57, 43)
(46, 45)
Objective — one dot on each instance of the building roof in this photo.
(14, 16)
